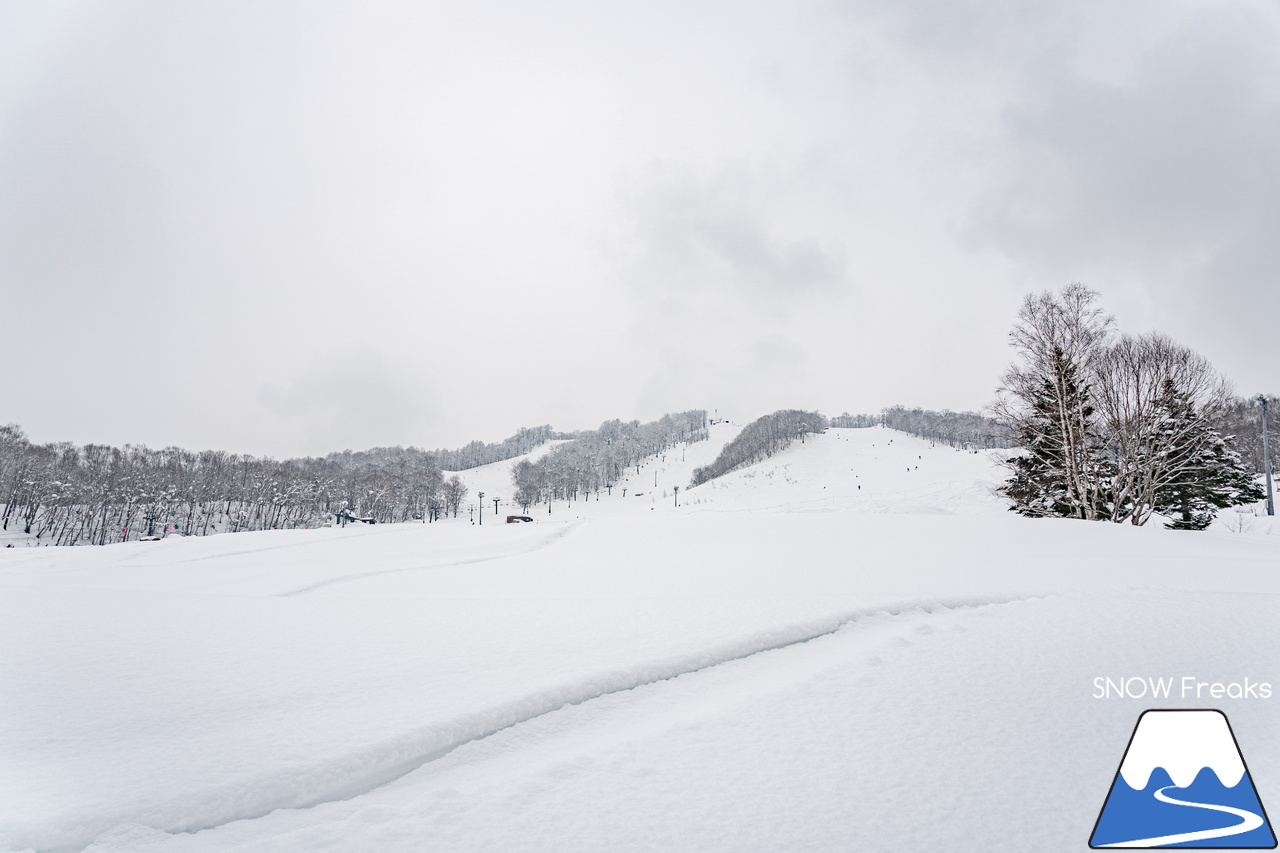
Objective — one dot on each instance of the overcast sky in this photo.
(290, 228)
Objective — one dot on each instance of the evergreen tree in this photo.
(1042, 484)
(1046, 401)
(1205, 472)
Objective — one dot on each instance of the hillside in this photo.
(785, 661)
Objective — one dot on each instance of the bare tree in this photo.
(595, 459)
(1241, 421)
(478, 453)
(455, 491)
(760, 439)
(97, 494)
(1149, 449)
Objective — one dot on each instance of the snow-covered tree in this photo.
(1046, 399)
(1201, 471)
(478, 453)
(761, 439)
(958, 429)
(594, 460)
(1242, 417)
(529, 480)
(1042, 484)
(455, 491)
(1136, 380)
(1114, 429)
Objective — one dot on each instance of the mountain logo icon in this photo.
(1183, 783)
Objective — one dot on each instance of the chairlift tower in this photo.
(1266, 455)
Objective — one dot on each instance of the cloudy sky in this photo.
(288, 228)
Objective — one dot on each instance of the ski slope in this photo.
(785, 661)
(653, 480)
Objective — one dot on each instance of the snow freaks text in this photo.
(1185, 687)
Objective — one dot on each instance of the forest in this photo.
(595, 460)
(68, 494)
(957, 429)
(477, 453)
(761, 439)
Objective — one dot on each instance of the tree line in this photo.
(477, 453)
(597, 459)
(958, 429)
(66, 494)
(1117, 427)
(759, 440)
(848, 421)
(69, 494)
(1240, 418)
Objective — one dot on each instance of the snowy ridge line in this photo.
(312, 587)
(350, 776)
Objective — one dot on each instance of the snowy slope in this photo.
(654, 481)
(494, 479)
(785, 661)
(865, 471)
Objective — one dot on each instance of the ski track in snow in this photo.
(354, 787)
(440, 740)
(538, 546)
(221, 555)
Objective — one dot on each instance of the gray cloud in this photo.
(717, 265)
(630, 210)
(726, 232)
(1163, 178)
(1170, 164)
(353, 398)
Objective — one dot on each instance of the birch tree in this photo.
(1046, 397)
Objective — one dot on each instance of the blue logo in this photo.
(1183, 783)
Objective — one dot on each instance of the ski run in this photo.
(852, 645)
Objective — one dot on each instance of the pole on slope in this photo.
(1266, 456)
(481, 502)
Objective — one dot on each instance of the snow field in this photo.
(728, 675)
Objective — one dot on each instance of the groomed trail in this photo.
(785, 661)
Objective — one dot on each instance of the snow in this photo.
(494, 479)
(783, 662)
